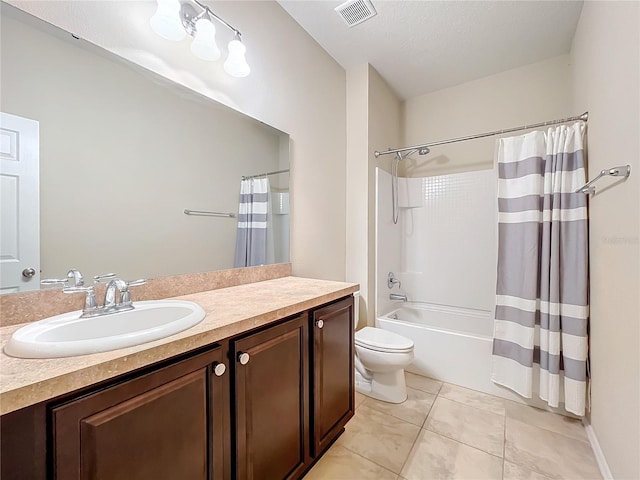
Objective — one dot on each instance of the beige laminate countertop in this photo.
(229, 311)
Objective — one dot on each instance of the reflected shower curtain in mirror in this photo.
(540, 329)
(254, 243)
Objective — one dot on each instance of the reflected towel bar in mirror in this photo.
(622, 171)
(265, 174)
(209, 214)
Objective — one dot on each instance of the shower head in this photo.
(419, 151)
(400, 155)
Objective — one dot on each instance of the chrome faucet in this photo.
(397, 296)
(110, 295)
(125, 296)
(78, 279)
(91, 307)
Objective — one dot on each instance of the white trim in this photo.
(597, 451)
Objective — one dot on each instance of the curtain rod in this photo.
(265, 174)
(583, 117)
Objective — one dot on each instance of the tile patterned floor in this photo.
(444, 431)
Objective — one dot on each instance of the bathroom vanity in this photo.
(258, 390)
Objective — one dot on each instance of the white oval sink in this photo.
(67, 335)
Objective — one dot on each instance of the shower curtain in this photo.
(542, 309)
(254, 242)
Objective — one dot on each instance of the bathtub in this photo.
(451, 344)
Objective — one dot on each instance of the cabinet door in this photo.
(333, 387)
(151, 427)
(271, 402)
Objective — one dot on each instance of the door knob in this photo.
(243, 358)
(28, 272)
(319, 323)
(219, 369)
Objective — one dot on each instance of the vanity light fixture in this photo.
(174, 20)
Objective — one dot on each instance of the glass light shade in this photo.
(236, 65)
(166, 21)
(204, 43)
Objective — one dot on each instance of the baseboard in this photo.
(597, 451)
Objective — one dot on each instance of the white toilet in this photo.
(381, 357)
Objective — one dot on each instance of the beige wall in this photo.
(385, 131)
(606, 81)
(294, 86)
(530, 94)
(357, 228)
(373, 123)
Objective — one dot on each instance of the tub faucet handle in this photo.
(392, 280)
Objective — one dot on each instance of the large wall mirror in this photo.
(122, 154)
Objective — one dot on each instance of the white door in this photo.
(20, 204)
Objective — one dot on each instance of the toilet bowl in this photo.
(381, 357)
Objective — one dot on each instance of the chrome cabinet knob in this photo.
(319, 323)
(28, 272)
(243, 358)
(219, 369)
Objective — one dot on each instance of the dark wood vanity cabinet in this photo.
(333, 371)
(271, 402)
(165, 424)
(285, 396)
(294, 393)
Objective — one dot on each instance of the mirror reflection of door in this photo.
(19, 204)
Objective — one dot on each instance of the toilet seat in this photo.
(382, 340)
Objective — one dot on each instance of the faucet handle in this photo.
(90, 302)
(55, 281)
(125, 298)
(103, 278)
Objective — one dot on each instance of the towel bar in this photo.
(209, 214)
(622, 171)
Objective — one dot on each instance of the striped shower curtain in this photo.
(254, 245)
(542, 306)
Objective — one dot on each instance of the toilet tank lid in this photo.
(379, 338)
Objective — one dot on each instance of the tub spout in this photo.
(397, 296)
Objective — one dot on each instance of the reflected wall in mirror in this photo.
(124, 152)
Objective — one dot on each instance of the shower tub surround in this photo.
(443, 250)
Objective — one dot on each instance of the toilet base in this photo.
(388, 387)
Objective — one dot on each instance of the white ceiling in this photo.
(422, 46)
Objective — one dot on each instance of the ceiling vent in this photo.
(354, 12)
